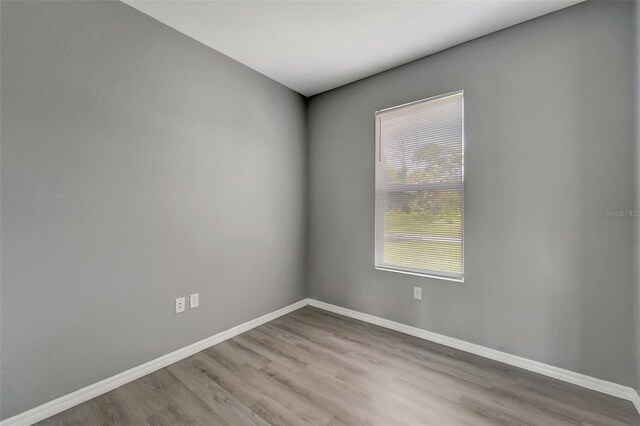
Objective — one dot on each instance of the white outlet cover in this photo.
(417, 293)
(194, 301)
(180, 305)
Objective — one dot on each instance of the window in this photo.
(419, 187)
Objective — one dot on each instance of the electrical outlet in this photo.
(417, 293)
(194, 301)
(180, 305)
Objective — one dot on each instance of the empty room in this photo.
(319, 212)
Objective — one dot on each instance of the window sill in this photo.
(438, 277)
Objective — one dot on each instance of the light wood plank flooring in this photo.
(316, 367)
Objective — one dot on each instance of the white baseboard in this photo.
(65, 402)
(588, 382)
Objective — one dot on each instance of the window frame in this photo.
(380, 190)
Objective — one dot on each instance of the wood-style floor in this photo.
(315, 367)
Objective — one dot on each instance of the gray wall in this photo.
(549, 148)
(636, 168)
(137, 166)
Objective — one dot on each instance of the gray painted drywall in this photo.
(137, 166)
(636, 168)
(549, 148)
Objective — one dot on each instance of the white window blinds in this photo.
(419, 187)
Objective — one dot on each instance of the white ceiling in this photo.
(313, 46)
